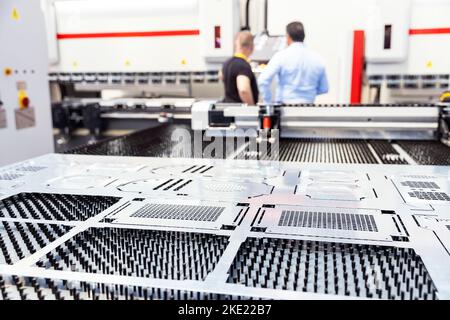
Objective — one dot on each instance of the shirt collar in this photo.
(241, 55)
(297, 44)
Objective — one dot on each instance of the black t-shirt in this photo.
(233, 68)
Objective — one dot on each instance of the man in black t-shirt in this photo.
(237, 75)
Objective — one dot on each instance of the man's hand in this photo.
(245, 89)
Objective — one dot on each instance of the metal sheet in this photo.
(227, 235)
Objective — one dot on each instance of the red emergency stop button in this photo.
(25, 102)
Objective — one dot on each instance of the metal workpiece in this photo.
(105, 227)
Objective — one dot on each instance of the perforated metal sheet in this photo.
(178, 212)
(327, 220)
(421, 184)
(437, 196)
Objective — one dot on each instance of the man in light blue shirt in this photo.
(299, 71)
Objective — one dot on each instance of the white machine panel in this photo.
(25, 120)
(140, 36)
(388, 32)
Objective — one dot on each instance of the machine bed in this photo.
(157, 142)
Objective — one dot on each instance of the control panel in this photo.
(25, 118)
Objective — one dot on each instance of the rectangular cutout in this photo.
(387, 36)
(431, 196)
(178, 212)
(55, 207)
(296, 265)
(217, 37)
(420, 184)
(328, 220)
(157, 248)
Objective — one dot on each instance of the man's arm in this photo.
(245, 89)
(323, 83)
(266, 77)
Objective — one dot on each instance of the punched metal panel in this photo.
(433, 190)
(239, 229)
(329, 222)
(181, 214)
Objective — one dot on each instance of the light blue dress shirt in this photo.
(300, 75)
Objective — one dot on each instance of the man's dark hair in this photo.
(296, 31)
